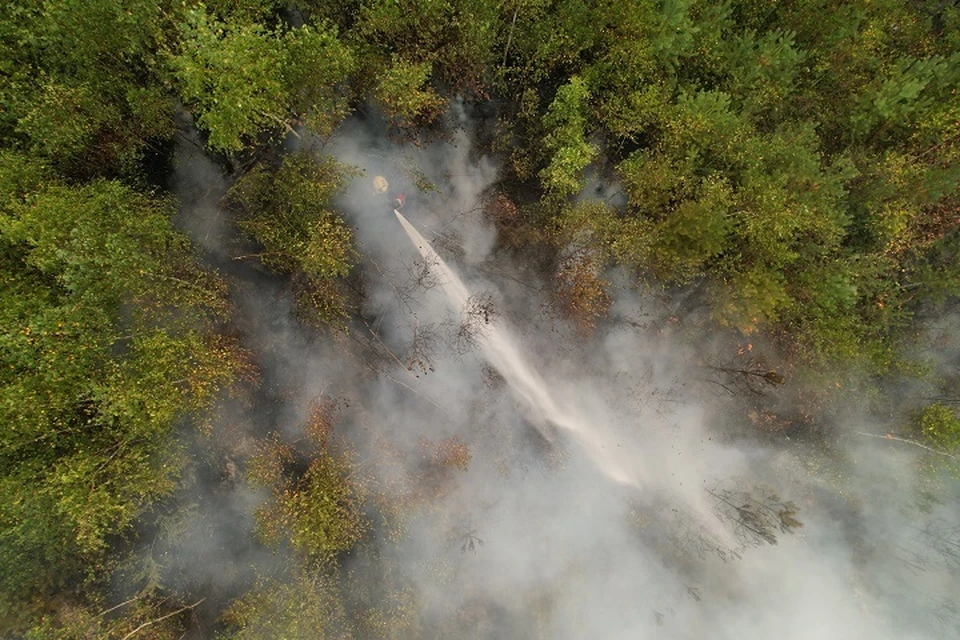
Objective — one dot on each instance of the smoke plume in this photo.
(605, 487)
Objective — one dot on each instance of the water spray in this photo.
(502, 353)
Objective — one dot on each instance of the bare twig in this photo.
(379, 341)
(513, 23)
(890, 436)
(403, 368)
(282, 122)
(414, 391)
(937, 147)
(117, 606)
(193, 142)
(161, 619)
(248, 256)
(739, 511)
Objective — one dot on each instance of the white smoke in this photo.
(591, 505)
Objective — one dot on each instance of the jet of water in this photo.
(507, 358)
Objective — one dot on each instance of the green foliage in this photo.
(907, 91)
(264, 11)
(308, 607)
(400, 90)
(705, 125)
(454, 37)
(317, 67)
(675, 33)
(751, 298)
(246, 80)
(285, 208)
(232, 75)
(941, 427)
(566, 124)
(107, 342)
(318, 512)
(327, 603)
(800, 159)
(694, 232)
(588, 223)
(548, 39)
(148, 618)
(81, 84)
(627, 115)
(764, 71)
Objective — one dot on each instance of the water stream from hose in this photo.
(501, 351)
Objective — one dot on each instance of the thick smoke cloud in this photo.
(631, 517)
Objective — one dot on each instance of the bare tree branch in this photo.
(161, 619)
(513, 23)
(890, 436)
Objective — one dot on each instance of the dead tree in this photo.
(757, 517)
(479, 313)
(752, 376)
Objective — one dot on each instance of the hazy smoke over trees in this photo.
(479, 319)
(488, 524)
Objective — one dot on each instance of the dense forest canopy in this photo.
(782, 175)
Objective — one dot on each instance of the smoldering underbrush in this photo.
(475, 518)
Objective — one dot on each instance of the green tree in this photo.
(246, 80)
(764, 72)
(317, 511)
(82, 86)
(695, 232)
(453, 38)
(286, 209)
(941, 426)
(308, 607)
(402, 93)
(109, 340)
(547, 39)
(570, 153)
(327, 603)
